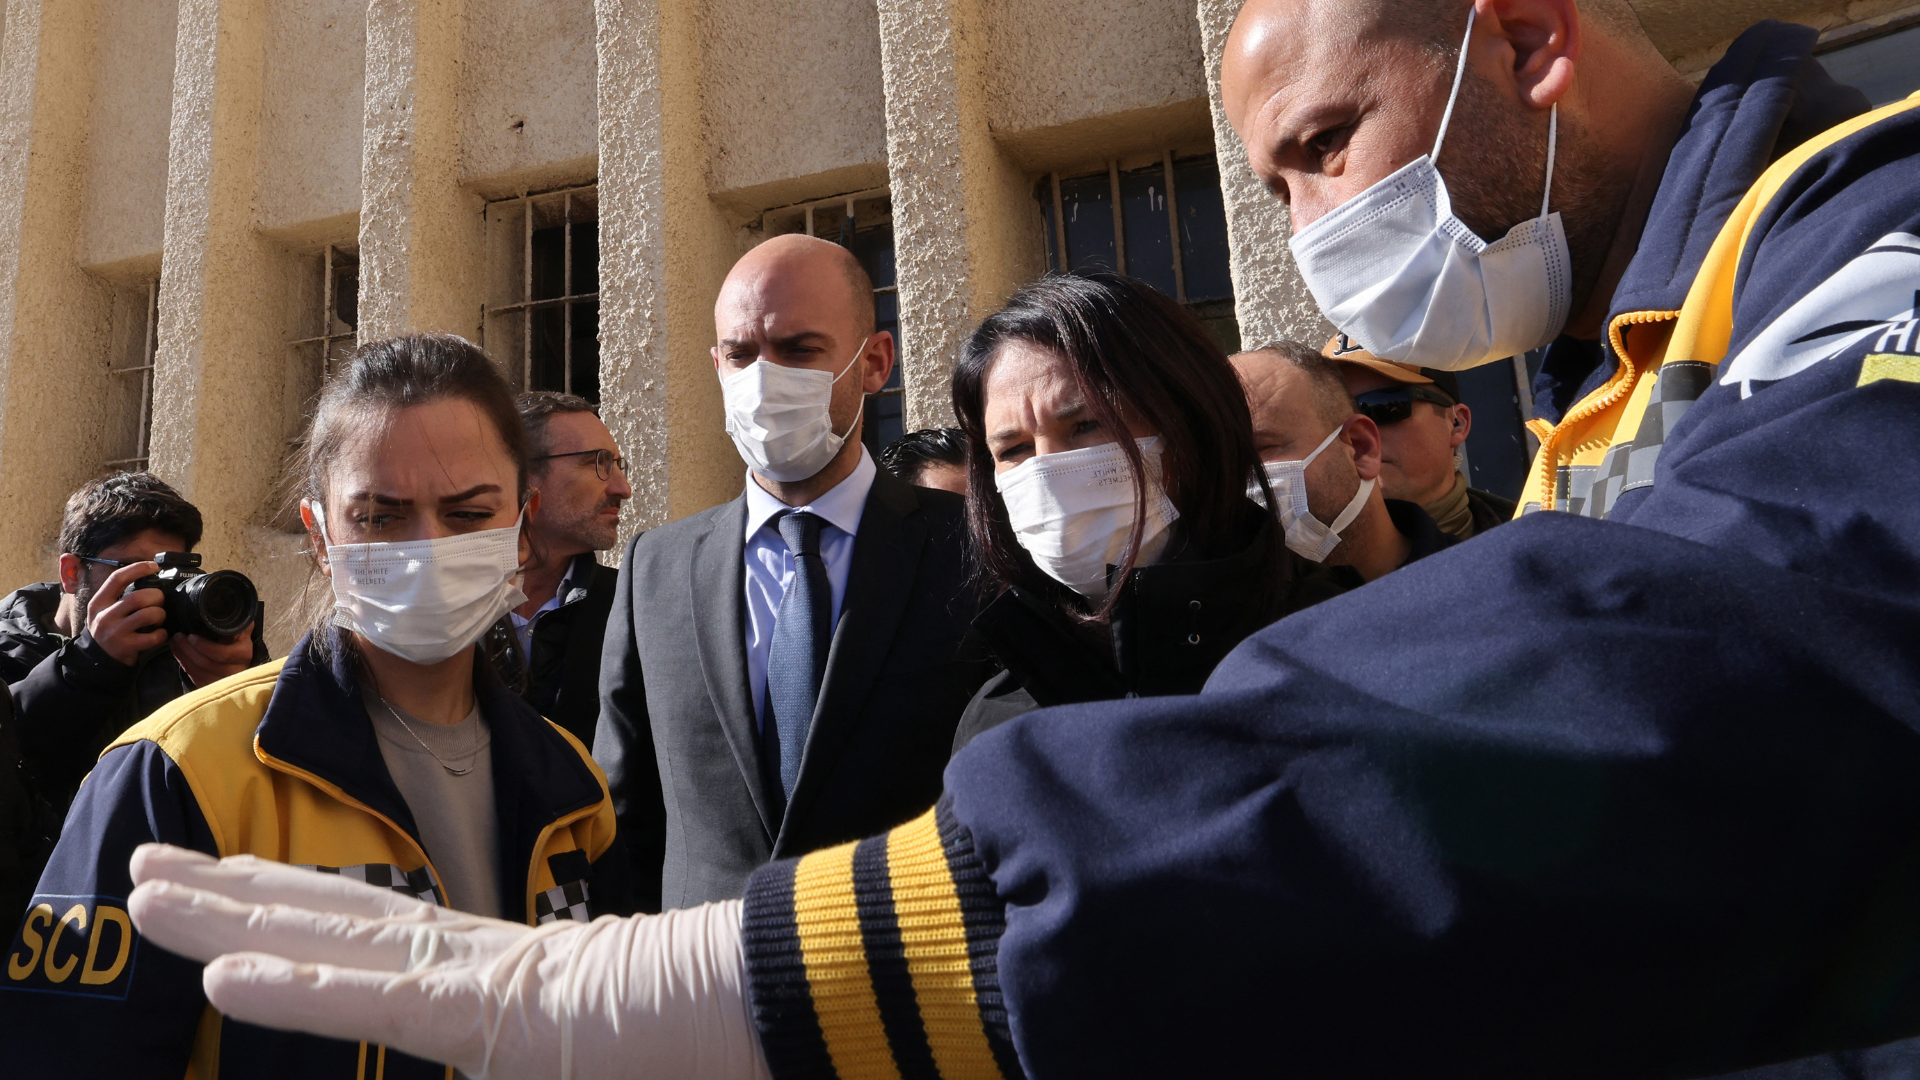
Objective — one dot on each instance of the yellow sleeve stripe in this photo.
(831, 946)
(880, 960)
(934, 939)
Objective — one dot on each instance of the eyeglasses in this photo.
(115, 563)
(604, 461)
(1394, 404)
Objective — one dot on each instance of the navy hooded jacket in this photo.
(1627, 798)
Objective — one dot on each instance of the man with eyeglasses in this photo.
(1423, 423)
(549, 647)
(84, 660)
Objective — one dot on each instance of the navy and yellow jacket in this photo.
(1583, 798)
(279, 761)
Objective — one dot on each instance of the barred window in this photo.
(336, 313)
(861, 222)
(544, 325)
(1164, 222)
(130, 415)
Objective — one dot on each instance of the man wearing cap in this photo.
(1418, 446)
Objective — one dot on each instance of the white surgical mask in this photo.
(1308, 536)
(424, 600)
(1073, 512)
(1398, 273)
(781, 417)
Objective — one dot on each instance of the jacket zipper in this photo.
(1609, 396)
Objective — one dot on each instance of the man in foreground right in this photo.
(1630, 797)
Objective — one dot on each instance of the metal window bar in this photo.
(144, 428)
(1173, 228)
(567, 299)
(332, 260)
(846, 204)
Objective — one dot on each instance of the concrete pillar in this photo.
(422, 248)
(965, 231)
(219, 434)
(54, 317)
(664, 250)
(1270, 300)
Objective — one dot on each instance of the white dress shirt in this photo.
(523, 628)
(770, 564)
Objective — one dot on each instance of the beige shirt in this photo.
(455, 814)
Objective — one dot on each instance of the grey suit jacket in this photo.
(678, 736)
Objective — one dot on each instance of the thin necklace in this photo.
(471, 754)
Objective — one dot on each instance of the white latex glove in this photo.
(651, 996)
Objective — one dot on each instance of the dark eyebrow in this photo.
(394, 500)
(787, 342)
(1067, 412)
(470, 493)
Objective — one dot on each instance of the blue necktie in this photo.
(798, 658)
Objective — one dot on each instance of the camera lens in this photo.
(223, 602)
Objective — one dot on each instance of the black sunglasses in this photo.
(604, 461)
(1395, 403)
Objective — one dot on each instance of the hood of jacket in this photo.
(27, 633)
(1767, 95)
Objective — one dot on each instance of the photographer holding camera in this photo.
(86, 658)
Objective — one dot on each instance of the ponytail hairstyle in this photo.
(380, 379)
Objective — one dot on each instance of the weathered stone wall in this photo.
(221, 145)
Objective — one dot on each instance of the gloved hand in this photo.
(651, 996)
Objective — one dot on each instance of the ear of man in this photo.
(72, 570)
(1363, 435)
(1462, 418)
(1528, 47)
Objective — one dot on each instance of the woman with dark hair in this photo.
(384, 749)
(1109, 456)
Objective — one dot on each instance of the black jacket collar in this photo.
(316, 723)
(1173, 623)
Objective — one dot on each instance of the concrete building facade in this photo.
(205, 203)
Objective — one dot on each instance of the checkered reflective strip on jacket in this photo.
(415, 883)
(567, 901)
(1629, 465)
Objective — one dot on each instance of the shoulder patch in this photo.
(75, 945)
(1880, 286)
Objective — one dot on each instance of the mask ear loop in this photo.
(1459, 70)
(1553, 140)
(862, 411)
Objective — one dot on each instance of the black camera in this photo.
(216, 605)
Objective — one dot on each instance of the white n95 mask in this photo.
(781, 418)
(424, 600)
(1308, 536)
(1073, 512)
(1396, 271)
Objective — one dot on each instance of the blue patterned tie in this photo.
(798, 658)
